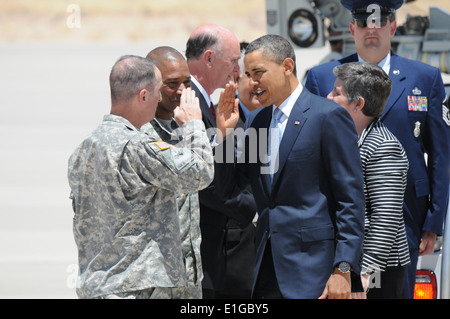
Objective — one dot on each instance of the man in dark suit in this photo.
(414, 113)
(212, 54)
(311, 209)
(241, 241)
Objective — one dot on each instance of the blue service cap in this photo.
(358, 8)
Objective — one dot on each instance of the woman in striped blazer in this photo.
(363, 89)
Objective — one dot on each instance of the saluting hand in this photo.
(189, 108)
(227, 113)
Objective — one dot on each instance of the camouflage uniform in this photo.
(153, 293)
(126, 227)
(188, 211)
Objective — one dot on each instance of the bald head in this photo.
(161, 54)
(208, 36)
(135, 89)
(175, 77)
(213, 54)
(130, 74)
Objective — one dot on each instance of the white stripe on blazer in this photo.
(385, 167)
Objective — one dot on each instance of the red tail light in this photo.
(426, 285)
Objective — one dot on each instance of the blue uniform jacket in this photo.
(415, 115)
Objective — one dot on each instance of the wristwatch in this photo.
(344, 267)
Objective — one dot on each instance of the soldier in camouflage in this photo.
(176, 77)
(123, 188)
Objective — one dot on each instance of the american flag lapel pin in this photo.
(297, 122)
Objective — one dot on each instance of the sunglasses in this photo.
(378, 22)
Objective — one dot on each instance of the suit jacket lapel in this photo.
(261, 124)
(397, 76)
(241, 121)
(293, 127)
(206, 112)
(350, 58)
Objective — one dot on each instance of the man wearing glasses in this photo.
(415, 113)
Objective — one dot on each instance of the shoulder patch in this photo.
(162, 145)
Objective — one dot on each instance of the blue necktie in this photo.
(275, 135)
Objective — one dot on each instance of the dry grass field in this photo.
(127, 21)
(142, 20)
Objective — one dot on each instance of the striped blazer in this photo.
(385, 168)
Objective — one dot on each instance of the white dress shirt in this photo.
(385, 64)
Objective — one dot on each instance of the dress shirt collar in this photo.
(385, 64)
(288, 104)
(202, 90)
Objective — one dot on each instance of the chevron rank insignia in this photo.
(446, 113)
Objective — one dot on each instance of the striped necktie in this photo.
(275, 135)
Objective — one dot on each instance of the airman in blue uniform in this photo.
(415, 114)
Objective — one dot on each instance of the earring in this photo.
(354, 111)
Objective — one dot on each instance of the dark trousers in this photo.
(266, 286)
(391, 284)
(410, 278)
(240, 262)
